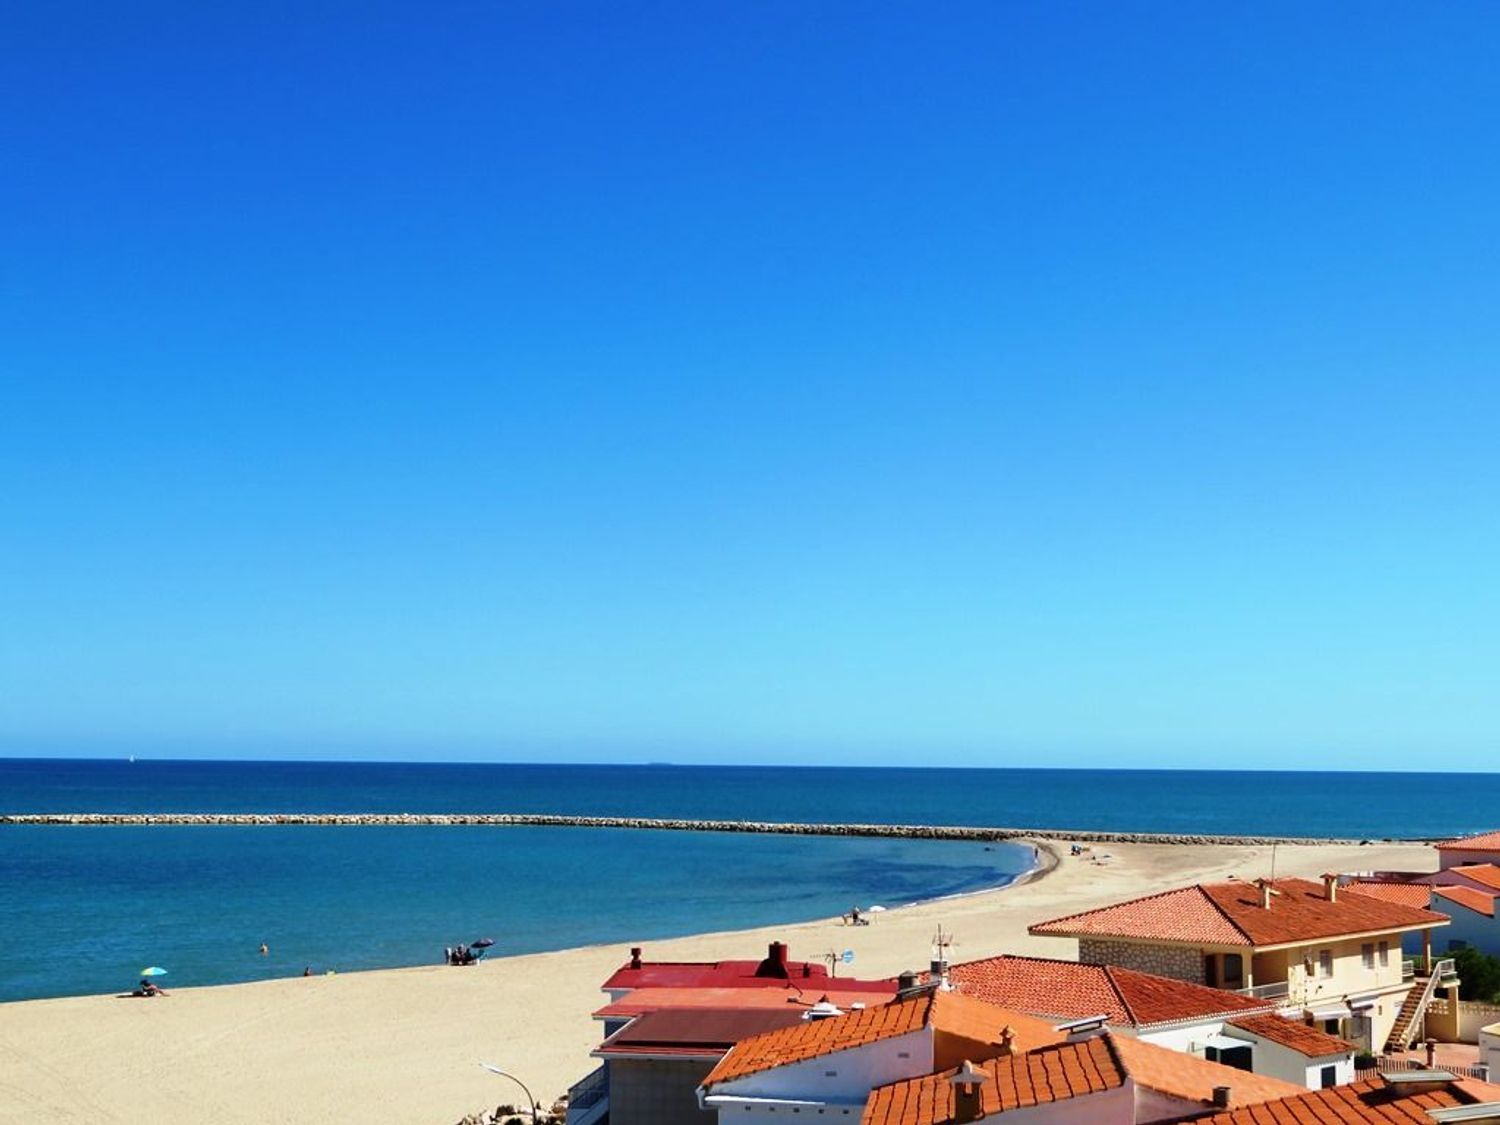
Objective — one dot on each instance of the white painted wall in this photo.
(841, 1077)
(1447, 858)
(1489, 1049)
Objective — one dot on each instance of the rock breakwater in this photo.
(549, 820)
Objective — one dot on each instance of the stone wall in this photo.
(548, 820)
(1163, 960)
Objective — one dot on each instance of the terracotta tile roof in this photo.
(1066, 1071)
(1068, 990)
(949, 1012)
(1486, 873)
(1484, 842)
(1296, 1036)
(1477, 901)
(1186, 1076)
(1418, 895)
(1231, 914)
(1187, 914)
(1372, 1101)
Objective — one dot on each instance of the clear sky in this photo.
(989, 383)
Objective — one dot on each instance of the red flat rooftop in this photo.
(703, 1033)
(775, 971)
(643, 1000)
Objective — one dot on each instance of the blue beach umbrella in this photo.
(154, 971)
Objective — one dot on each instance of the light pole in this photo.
(535, 1109)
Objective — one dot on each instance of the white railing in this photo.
(1276, 990)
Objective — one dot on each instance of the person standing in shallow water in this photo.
(264, 949)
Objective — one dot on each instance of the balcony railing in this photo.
(589, 1091)
(1409, 968)
(1276, 990)
(1446, 969)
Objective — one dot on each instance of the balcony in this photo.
(1276, 990)
(588, 1100)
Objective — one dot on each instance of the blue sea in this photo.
(82, 909)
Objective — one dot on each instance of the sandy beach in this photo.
(404, 1045)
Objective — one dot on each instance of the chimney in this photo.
(775, 963)
(906, 982)
(635, 957)
(1007, 1040)
(968, 1099)
(1265, 893)
(1331, 888)
(1221, 1097)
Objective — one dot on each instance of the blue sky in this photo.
(1081, 384)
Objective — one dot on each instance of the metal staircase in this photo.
(1412, 1016)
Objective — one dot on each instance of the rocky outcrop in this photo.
(549, 820)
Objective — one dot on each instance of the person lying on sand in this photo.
(149, 989)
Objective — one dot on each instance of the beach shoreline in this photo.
(404, 1045)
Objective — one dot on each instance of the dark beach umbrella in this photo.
(482, 943)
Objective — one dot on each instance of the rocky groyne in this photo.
(549, 820)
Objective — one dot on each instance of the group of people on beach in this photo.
(460, 955)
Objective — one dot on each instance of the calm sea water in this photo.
(81, 909)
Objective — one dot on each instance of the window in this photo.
(1328, 1076)
(1238, 1057)
(1234, 970)
(1385, 954)
(1367, 954)
(1325, 963)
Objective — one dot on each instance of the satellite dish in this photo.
(848, 956)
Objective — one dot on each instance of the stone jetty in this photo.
(550, 820)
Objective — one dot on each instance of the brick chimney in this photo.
(775, 963)
(968, 1096)
(1007, 1040)
(1331, 888)
(1221, 1097)
(635, 957)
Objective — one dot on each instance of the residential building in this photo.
(1105, 1079)
(656, 1061)
(1483, 848)
(1330, 958)
(1420, 1098)
(1173, 1013)
(668, 1023)
(827, 1067)
(1287, 1049)
(1468, 903)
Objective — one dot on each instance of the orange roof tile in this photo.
(949, 1012)
(1476, 900)
(1231, 914)
(1486, 873)
(1298, 1037)
(1374, 1101)
(1484, 842)
(1070, 1070)
(1418, 895)
(1070, 990)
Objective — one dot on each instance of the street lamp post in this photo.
(536, 1111)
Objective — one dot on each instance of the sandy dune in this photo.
(403, 1046)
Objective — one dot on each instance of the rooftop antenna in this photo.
(1273, 863)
